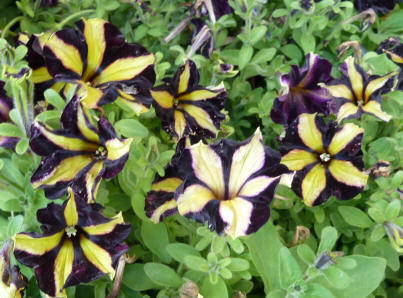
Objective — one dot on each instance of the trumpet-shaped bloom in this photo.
(327, 159)
(12, 282)
(229, 184)
(6, 104)
(185, 107)
(356, 93)
(394, 50)
(97, 57)
(80, 154)
(304, 95)
(78, 245)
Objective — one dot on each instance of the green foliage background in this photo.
(261, 39)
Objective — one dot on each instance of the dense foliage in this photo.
(170, 148)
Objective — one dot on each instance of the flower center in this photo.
(324, 157)
(101, 153)
(71, 231)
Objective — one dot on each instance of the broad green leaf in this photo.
(197, 263)
(393, 210)
(292, 52)
(337, 277)
(10, 130)
(328, 239)
(217, 245)
(131, 128)
(54, 99)
(355, 217)
(306, 254)
(136, 279)
(180, 250)
(264, 247)
(210, 290)
(257, 34)
(163, 275)
(155, 237)
(317, 291)
(238, 264)
(289, 270)
(22, 146)
(14, 225)
(264, 55)
(245, 55)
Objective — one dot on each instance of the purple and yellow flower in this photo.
(394, 50)
(379, 6)
(78, 245)
(395, 234)
(303, 94)
(6, 104)
(356, 93)
(327, 159)
(80, 154)
(185, 107)
(229, 184)
(97, 57)
(12, 282)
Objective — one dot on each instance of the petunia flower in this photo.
(12, 282)
(356, 93)
(394, 50)
(214, 8)
(6, 104)
(327, 159)
(160, 201)
(202, 39)
(229, 184)
(185, 107)
(379, 6)
(395, 234)
(78, 245)
(80, 154)
(97, 57)
(303, 94)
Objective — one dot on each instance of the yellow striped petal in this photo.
(180, 123)
(104, 228)
(117, 148)
(345, 172)
(83, 117)
(169, 205)
(41, 75)
(163, 98)
(89, 96)
(298, 159)
(168, 184)
(91, 184)
(194, 199)
(309, 133)
(313, 184)
(344, 136)
(355, 78)
(256, 186)
(373, 107)
(198, 95)
(137, 107)
(37, 246)
(375, 85)
(184, 78)
(340, 91)
(237, 214)
(70, 211)
(246, 160)
(346, 110)
(63, 265)
(208, 167)
(99, 257)
(201, 117)
(394, 57)
(124, 69)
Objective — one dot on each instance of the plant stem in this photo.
(69, 18)
(9, 25)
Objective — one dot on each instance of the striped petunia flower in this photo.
(78, 245)
(229, 184)
(394, 50)
(355, 92)
(327, 159)
(97, 57)
(303, 94)
(185, 107)
(6, 104)
(12, 282)
(80, 154)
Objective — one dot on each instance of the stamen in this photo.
(71, 231)
(325, 157)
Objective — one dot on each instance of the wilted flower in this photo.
(185, 107)
(303, 94)
(6, 104)
(379, 6)
(327, 159)
(97, 57)
(78, 245)
(202, 40)
(80, 154)
(395, 234)
(12, 282)
(229, 184)
(394, 50)
(356, 93)
(214, 8)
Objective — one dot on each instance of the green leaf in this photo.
(180, 250)
(22, 146)
(155, 237)
(355, 217)
(55, 99)
(197, 263)
(217, 245)
(10, 130)
(328, 239)
(376, 215)
(393, 210)
(210, 290)
(245, 55)
(20, 52)
(264, 247)
(264, 55)
(238, 264)
(292, 52)
(257, 34)
(378, 232)
(136, 279)
(364, 278)
(337, 277)
(306, 254)
(308, 43)
(289, 269)
(15, 225)
(131, 128)
(317, 291)
(163, 275)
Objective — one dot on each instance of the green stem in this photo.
(9, 25)
(60, 25)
